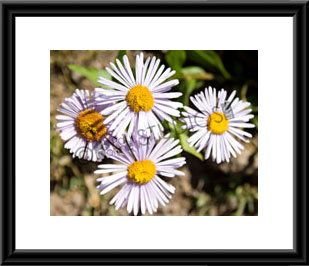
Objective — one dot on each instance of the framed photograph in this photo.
(153, 133)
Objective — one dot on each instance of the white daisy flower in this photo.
(142, 101)
(217, 124)
(83, 126)
(140, 166)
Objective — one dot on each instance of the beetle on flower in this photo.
(83, 127)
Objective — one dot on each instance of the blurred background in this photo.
(207, 188)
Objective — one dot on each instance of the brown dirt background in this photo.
(206, 189)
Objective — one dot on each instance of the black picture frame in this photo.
(12, 256)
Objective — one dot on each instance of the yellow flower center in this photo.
(139, 98)
(217, 123)
(141, 172)
(89, 124)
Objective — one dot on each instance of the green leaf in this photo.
(241, 207)
(185, 145)
(91, 73)
(181, 134)
(176, 59)
(121, 53)
(255, 121)
(193, 70)
(196, 72)
(254, 109)
(209, 60)
(187, 87)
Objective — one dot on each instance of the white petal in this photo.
(113, 185)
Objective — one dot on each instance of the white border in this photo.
(35, 37)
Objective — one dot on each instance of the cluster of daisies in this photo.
(123, 121)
